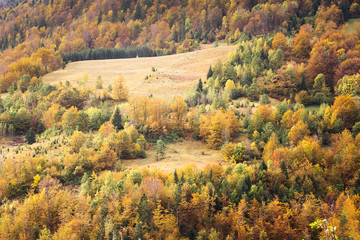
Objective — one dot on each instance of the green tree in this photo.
(116, 120)
(357, 184)
(200, 86)
(139, 234)
(356, 129)
(160, 149)
(30, 137)
(210, 73)
(137, 13)
(144, 210)
(99, 83)
(264, 100)
(263, 166)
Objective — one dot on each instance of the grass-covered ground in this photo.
(351, 23)
(178, 155)
(174, 74)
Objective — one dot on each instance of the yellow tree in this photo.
(165, 223)
(107, 129)
(302, 42)
(279, 40)
(179, 110)
(120, 90)
(219, 127)
(77, 140)
(298, 132)
(346, 109)
(52, 115)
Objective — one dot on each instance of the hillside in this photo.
(174, 74)
(189, 120)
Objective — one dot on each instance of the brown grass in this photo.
(175, 73)
(178, 155)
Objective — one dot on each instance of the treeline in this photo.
(111, 53)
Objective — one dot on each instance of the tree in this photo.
(263, 166)
(219, 127)
(77, 140)
(323, 59)
(160, 149)
(99, 83)
(264, 99)
(199, 86)
(349, 85)
(137, 13)
(298, 132)
(210, 73)
(116, 120)
(279, 40)
(346, 109)
(179, 109)
(52, 115)
(302, 42)
(120, 90)
(357, 184)
(30, 137)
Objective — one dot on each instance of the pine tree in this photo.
(284, 169)
(263, 166)
(99, 18)
(30, 137)
(357, 184)
(137, 13)
(199, 86)
(139, 234)
(211, 175)
(144, 210)
(176, 177)
(160, 149)
(210, 73)
(116, 120)
(109, 89)
(99, 83)
(182, 179)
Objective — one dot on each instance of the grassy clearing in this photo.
(178, 155)
(174, 74)
(351, 23)
(313, 108)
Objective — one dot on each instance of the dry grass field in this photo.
(174, 73)
(177, 156)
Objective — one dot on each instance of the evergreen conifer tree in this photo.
(199, 86)
(210, 73)
(30, 137)
(116, 120)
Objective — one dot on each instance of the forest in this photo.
(283, 111)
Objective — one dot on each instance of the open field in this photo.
(351, 23)
(174, 73)
(178, 155)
